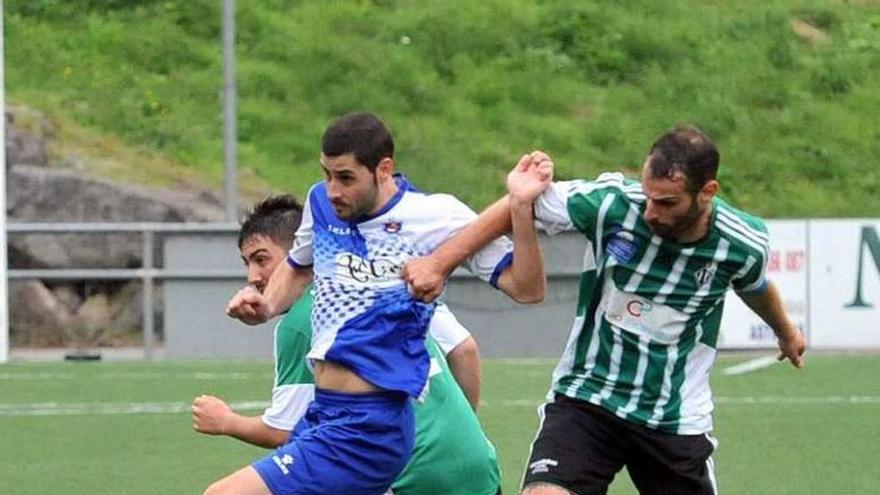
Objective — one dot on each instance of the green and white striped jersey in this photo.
(649, 310)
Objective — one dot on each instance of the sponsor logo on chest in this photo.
(638, 307)
(333, 229)
(623, 245)
(353, 267)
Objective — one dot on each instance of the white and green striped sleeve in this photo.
(551, 211)
(753, 234)
(576, 204)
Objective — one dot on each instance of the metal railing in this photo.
(148, 273)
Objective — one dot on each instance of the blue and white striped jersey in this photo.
(363, 316)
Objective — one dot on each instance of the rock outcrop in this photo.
(84, 313)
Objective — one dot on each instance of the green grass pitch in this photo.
(111, 428)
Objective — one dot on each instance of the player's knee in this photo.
(215, 489)
(544, 489)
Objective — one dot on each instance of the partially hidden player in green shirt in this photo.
(451, 455)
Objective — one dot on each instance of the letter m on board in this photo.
(869, 242)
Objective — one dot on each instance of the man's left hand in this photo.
(792, 347)
(530, 177)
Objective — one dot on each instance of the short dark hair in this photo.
(688, 150)
(276, 217)
(361, 134)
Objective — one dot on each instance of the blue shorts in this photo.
(353, 444)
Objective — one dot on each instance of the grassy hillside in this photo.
(788, 88)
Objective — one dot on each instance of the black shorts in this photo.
(580, 447)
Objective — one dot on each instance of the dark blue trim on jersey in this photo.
(403, 186)
(345, 234)
(404, 183)
(502, 265)
(760, 289)
(321, 204)
(293, 264)
(322, 209)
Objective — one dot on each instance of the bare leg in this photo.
(245, 481)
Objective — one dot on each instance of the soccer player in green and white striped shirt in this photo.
(632, 387)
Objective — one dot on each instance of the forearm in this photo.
(286, 286)
(464, 363)
(492, 223)
(525, 280)
(769, 306)
(253, 430)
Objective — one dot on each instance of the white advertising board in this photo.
(787, 268)
(845, 284)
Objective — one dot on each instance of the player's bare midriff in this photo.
(330, 375)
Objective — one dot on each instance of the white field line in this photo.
(112, 408)
(136, 375)
(832, 399)
(757, 400)
(756, 364)
(121, 408)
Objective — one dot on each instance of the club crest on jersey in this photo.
(705, 275)
(393, 226)
(623, 246)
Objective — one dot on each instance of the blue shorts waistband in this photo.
(338, 398)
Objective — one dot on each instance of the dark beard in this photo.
(682, 224)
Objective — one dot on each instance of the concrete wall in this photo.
(828, 271)
(195, 323)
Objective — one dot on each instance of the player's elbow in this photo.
(530, 298)
(278, 438)
(464, 353)
(532, 293)
(215, 489)
(523, 288)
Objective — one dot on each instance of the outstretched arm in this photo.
(427, 276)
(286, 285)
(525, 281)
(768, 305)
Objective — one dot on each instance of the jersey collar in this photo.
(403, 185)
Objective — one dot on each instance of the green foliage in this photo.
(469, 86)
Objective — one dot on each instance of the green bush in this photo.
(469, 86)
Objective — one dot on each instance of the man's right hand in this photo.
(210, 415)
(249, 306)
